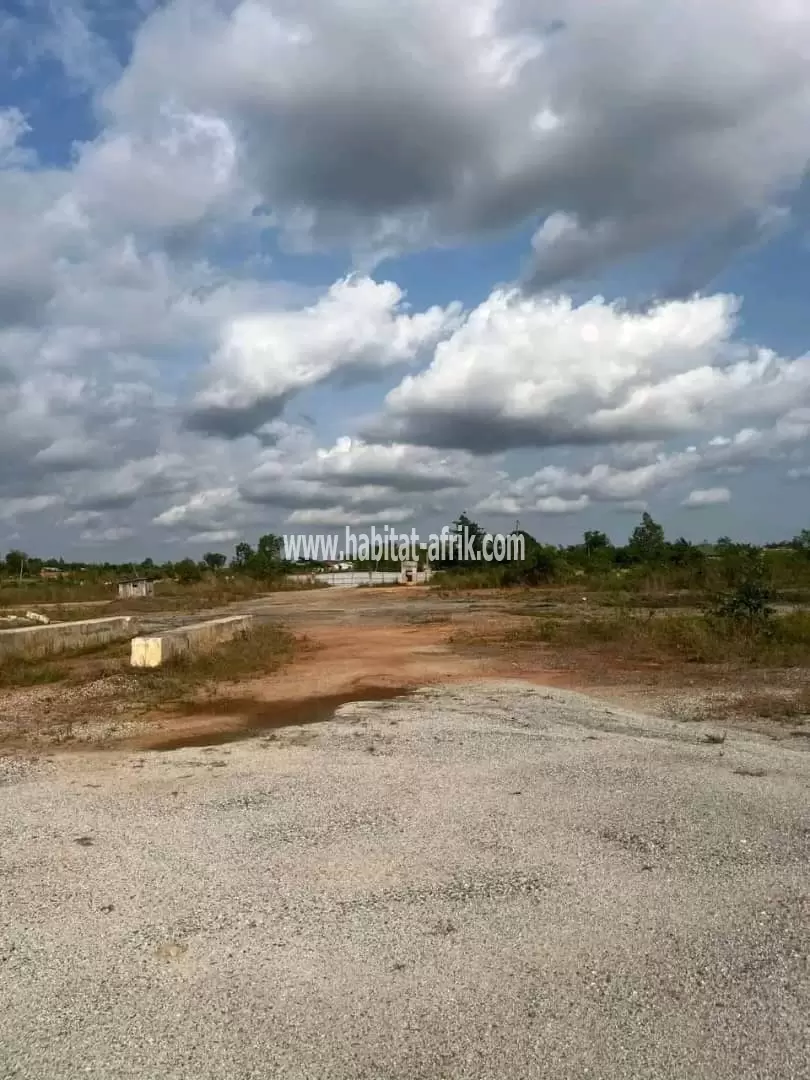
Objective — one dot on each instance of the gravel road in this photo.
(490, 881)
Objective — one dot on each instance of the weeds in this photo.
(261, 652)
(776, 641)
(214, 590)
(23, 673)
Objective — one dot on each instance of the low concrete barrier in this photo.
(151, 652)
(35, 641)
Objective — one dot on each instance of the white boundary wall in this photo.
(151, 652)
(350, 579)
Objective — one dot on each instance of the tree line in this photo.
(646, 551)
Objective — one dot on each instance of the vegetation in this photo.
(28, 580)
(782, 641)
(653, 601)
(648, 565)
(260, 652)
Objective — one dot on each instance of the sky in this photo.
(294, 265)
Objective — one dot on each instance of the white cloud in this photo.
(234, 129)
(556, 488)
(360, 325)
(200, 510)
(13, 129)
(170, 178)
(707, 497)
(625, 124)
(539, 372)
(338, 516)
(355, 463)
(220, 536)
(113, 535)
(10, 509)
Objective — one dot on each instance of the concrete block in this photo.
(35, 641)
(151, 652)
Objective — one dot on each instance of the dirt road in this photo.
(479, 878)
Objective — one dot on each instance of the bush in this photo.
(702, 639)
(188, 572)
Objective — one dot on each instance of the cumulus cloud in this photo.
(216, 536)
(359, 326)
(561, 489)
(162, 474)
(620, 123)
(542, 372)
(707, 497)
(341, 516)
(136, 254)
(112, 535)
(201, 511)
(355, 463)
(13, 129)
(166, 180)
(11, 509)
(350, 483)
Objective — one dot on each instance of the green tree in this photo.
(542, 562)
(647, 542)
(270, 548)
(268, 561)
(802, 543)
(594, 540)
(16, 561)
(187, 572)
(243, 555)
(213, 560)
(467, 539)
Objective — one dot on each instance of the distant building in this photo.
(136, 589)
(410, 574)
(52, 572)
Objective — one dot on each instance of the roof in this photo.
(137, 581)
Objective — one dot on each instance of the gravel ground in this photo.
(476, 881)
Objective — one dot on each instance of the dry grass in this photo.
(72, 669)
(782, 641)
(30, 673)
(781, 705)
(31, 593)
(77, 613)
(215, 590)
(260, 652)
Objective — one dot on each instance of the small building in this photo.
(408, 572)
(136, 589)
(52, 572)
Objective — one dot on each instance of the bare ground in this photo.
(469, 871)
(355, 643)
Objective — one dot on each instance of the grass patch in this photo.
(214, 590)
(260, 652)
(31, 593)
(75, 613)
(30, 673)
(781, 641)
(75, 667)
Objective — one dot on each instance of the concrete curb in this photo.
(152, 652)
(35, 641)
